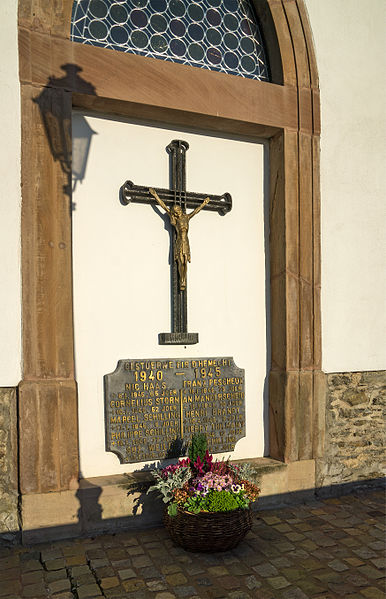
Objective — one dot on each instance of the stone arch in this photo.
(286, 112)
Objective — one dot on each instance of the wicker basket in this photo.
(208, 531)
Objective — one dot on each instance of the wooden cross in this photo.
(169, 199)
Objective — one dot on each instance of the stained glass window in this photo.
(220, 35)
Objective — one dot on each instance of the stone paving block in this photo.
(89, 590)
(264, 594)
(266, 570)
(357, 580)
(79, 570)
(55, 564)
(184, 591)
(109, 582)
(133, 584)
(115, 593)
(51, 554)
(99, 563)
(365, 552)
(34, 590)
(184, 559)
(122, 563)
(294, 536)
(126, 573)
(156, 585)
(251, 582)
(28, 554)
(281, 562)
(309, 587)
(59, 586)
(170, 569)
(104, 572)
(31, 565)
(371, 572)
(327, 576)
(55, 575)
(372, 593)
(379, 562)
(149, 572)
(377, 545)
(8, 587)
(239, 595)
(176, 579)
(218, 571)
(135, 550)
(354, 561)
(96, 553)
(285, 547)
(76, 560)
(238, 569)
(293, 573)
(293, 593)
(278, 582)
(10, 573)
(141, 561)
(84, 579)
(216, 593)
(116, 553)
(337, 565)
(228, 582)
(165, 595)
(31, 577)
(350, 542)
(270, 519)
(194, 569)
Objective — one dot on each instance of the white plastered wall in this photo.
(349, 38)
(122, 277)
(10, 199)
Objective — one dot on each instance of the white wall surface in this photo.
(350, 46)
(121, 271)
(10, 198)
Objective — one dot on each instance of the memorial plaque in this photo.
(153, 407)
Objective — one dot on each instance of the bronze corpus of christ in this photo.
(180, 221)
(175, 201)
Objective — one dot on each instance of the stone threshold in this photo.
(109, 504)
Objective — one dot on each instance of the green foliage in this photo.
(196, 504)
(222, 501)
(172, 509)
(175, 480)
(216, 501)
(197, 447)
(245, 471)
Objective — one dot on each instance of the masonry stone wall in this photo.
(9, 502)
(355, 428)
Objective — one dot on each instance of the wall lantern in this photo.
(55, 109)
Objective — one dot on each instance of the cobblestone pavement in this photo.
(326, 549)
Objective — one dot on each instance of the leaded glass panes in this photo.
(221, 35)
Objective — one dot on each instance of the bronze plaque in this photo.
(154, 406)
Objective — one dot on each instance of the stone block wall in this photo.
(9, 499)
(355, 429)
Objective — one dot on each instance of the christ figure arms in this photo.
(200, 207)
(158, 199)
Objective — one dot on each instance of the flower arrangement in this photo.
(199, 483)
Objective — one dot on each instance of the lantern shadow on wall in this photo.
(70, 148)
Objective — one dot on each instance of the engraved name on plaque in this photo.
(154, 406)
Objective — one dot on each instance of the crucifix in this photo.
(175, 201)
